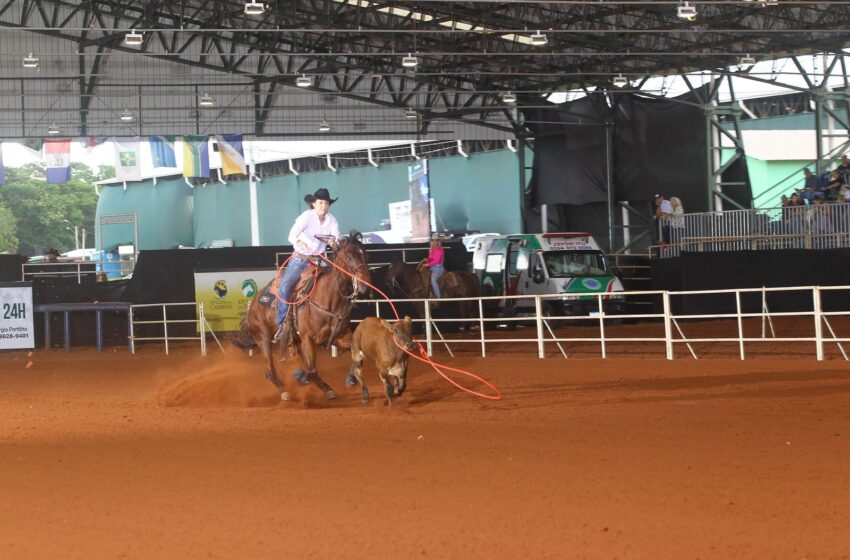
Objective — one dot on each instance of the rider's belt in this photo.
(300, 257)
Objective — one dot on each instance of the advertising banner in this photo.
(420, 194)
(16, 316)
(226, 293)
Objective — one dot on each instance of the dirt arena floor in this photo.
(153, 456)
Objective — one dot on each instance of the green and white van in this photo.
(568, 264)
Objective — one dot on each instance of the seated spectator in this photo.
(833, 187)
(52, 255)
(811, 186)
(795, 200)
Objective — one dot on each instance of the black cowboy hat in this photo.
(321, 194)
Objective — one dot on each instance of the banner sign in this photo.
(226, 293)
(420, 195)
(16, 316)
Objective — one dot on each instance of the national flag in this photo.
(232, 154)
(57, 153)
(34, 145)
(127, 164)
(2, 170)
(196, 156)
(162, 151)
(91, 142)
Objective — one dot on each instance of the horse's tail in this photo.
(241, 339)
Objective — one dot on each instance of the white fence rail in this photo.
(817, 226)
(747, 308)
(164, 321)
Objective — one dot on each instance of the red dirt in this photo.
(153, 456)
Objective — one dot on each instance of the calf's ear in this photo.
(407, 319)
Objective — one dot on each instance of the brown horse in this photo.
(324, 318)
(461, 284)
(416, 285)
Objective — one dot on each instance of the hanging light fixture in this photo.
(747, 59)
(508, 97)
(539, 39)
(126, 115)
(619, 80)
(206, 100)
(254, 8)
(687, 12)
(324, 126)
(53, 130)
(133, 38)
(410, 113)
(303, 81)
(409, 61)
(30, 61)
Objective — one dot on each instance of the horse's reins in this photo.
(423, 355)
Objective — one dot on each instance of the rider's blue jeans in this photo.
(437, 270)
(291, 274)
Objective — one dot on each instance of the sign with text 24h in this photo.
(16, 316)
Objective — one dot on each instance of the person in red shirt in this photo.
(434, 263)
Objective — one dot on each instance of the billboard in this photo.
(16, 315)
(226, 293)
(420, 194)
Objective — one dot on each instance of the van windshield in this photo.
(563, 264)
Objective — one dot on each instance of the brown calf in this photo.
(373, 339)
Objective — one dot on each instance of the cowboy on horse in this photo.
(307, 237)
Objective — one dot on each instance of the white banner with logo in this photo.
(16, 316)
(226, 293)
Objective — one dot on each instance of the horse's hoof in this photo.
(351, 380)
(330, 395)
(300, 376)
(284, 396)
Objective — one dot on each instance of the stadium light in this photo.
(133, 38)
(206, 100)
(539, 39)
(303, 81)
(619, 80)
(324, 126)
(747, 59)
(126, 115)
(53, 130)
(687, 12)
(409, 113)
(409, 61)
(254, 8)
(508, 97)
(30, 61)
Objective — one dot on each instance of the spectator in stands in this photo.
(677, 220)
(52, 255)
(820, 220)
(833, 187)
(844, 168)
(811, 186)
(663, 213)
(795, 200)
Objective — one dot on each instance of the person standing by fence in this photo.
(663, 213)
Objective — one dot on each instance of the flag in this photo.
(196, 156)
(91, 142)
(2, 170)
(57, 153)
(34, 145)
(162, 151)
(232, 155)
(127, 164)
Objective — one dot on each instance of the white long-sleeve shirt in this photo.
(305, 229)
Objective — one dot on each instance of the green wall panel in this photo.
(164, 214)
(222, 212)
(479, 192)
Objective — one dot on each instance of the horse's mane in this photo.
(355, 236)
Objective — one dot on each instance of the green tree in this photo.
(8, 229)
(45, 215)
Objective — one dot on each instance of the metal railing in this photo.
(199, 321)
(816, 226)
(743, 309)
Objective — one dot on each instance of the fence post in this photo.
(428, 341)
(601, 325)
(538, 316)
(816, 305)
(481, 327)
(668, 318)
(165, 328)
(202, 328)
(740, 323)
(131, 330)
